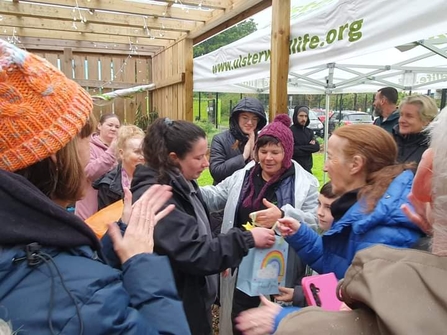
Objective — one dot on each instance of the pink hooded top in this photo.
(102, 160)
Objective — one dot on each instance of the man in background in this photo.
(385, 107)
(304, 139)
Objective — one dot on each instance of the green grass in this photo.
(317, 169)
(206, 179)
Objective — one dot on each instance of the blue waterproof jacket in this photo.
(63, 287)
(387, 224)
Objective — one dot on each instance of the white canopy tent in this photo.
(340, 46)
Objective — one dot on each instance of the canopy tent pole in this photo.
(329, 87)
(279, 63)
(432, 48)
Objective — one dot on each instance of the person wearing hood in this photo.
(232, 149)
(416, 113)
(303, 138)
(53, 277)
(175, 155)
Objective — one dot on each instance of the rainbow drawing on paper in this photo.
(275, 259)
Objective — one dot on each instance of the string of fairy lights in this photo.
(81, 15)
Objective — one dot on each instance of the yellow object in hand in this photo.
(248, 226)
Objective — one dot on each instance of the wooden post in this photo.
(279, 59)
(188, 86)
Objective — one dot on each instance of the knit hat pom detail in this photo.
(41, 110)
(284, 119)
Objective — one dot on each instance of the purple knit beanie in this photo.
(280, 129)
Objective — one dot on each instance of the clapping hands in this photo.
(141, 219)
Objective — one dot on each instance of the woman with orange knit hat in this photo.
(53, 279)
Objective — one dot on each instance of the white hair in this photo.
(438, 143)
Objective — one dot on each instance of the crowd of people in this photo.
(178, 247)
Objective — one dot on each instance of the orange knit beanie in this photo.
(41, 110)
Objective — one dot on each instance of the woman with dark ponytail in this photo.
(175, 155)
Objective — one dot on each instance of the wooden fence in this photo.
(101, 73)
(170, 70)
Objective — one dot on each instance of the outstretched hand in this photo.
(288, 226)
(421, 194)
(139, 235)
(421, 213)
(258, 321)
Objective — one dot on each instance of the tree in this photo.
(228, 36)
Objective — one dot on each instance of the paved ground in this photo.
(215, 312)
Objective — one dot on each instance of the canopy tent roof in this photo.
(340, 46)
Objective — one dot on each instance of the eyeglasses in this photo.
(245, 119)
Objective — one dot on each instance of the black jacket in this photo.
(193, 257)
(389, 123)
(302, 136)
(410, 147)
(225, 159)
(110, 188)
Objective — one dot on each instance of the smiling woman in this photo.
(233, 149)
(416, 113)
(111, 186)
(175, 155)
(271, 186)
(102, 160)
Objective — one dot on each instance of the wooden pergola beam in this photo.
(104, 18)
(43, 44)
(214, 4)
(235, 20)
(279, 57)
(237, 8)
(95, 38)
(95, 51)
(135, 8)
(88, 27)
(165, 23)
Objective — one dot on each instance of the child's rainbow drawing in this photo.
(275, 259)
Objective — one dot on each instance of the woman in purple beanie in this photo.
(271, 186)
